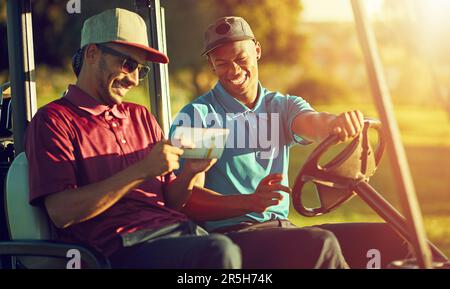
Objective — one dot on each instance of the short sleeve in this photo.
(296, 105)
(153, 125)
(50, 155)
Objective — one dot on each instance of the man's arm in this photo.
(77, 205)
(317, 126)
(179, 191)
(207, 205)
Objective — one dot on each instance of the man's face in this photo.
(236, 66)
(113, 82)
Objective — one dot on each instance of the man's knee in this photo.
(223, 253)
(331, 254)
(330, 242)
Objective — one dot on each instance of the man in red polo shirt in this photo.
(101, 168)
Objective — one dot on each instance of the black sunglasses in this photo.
(128, 64)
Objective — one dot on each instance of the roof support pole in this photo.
(396, 151)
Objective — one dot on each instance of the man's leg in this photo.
(356, 239)
(276, 248)
(213, 251)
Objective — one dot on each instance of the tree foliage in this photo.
(274, 23)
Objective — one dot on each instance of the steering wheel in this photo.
(334, 181)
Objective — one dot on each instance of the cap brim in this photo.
(153, 55)
(222, 41)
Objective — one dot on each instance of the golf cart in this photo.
(28, 242)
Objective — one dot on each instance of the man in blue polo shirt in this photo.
(251, 175)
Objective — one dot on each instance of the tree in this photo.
(3, 40)
(274, 24)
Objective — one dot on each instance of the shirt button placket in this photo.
(119, 135)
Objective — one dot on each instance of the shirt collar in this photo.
(84, 101)
(232, 105)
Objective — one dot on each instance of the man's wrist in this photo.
(247, 203)
(140, 171)
(187, 175)
(329, 119)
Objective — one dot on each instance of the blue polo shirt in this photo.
(258, 144)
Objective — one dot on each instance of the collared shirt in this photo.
(258, 144)
(76, 141)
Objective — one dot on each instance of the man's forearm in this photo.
(207, 205)
(313, 125)
(179, 191)
(77, 205)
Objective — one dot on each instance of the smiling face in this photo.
(236, 66)
(109, 83)
(113, 82)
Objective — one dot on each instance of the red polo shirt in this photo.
(76, 141)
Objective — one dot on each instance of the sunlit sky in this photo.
(432, 16)
(335, 10)
(340, 10)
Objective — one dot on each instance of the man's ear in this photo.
(258, 50)
(91, 54)
(210, 63)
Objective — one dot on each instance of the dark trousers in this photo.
(280, 244)
(356, 239)
(180, 248)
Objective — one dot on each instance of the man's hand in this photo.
(179, 191)
(347, 125)
(162, 159)
(195, 166)
(267, 194)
